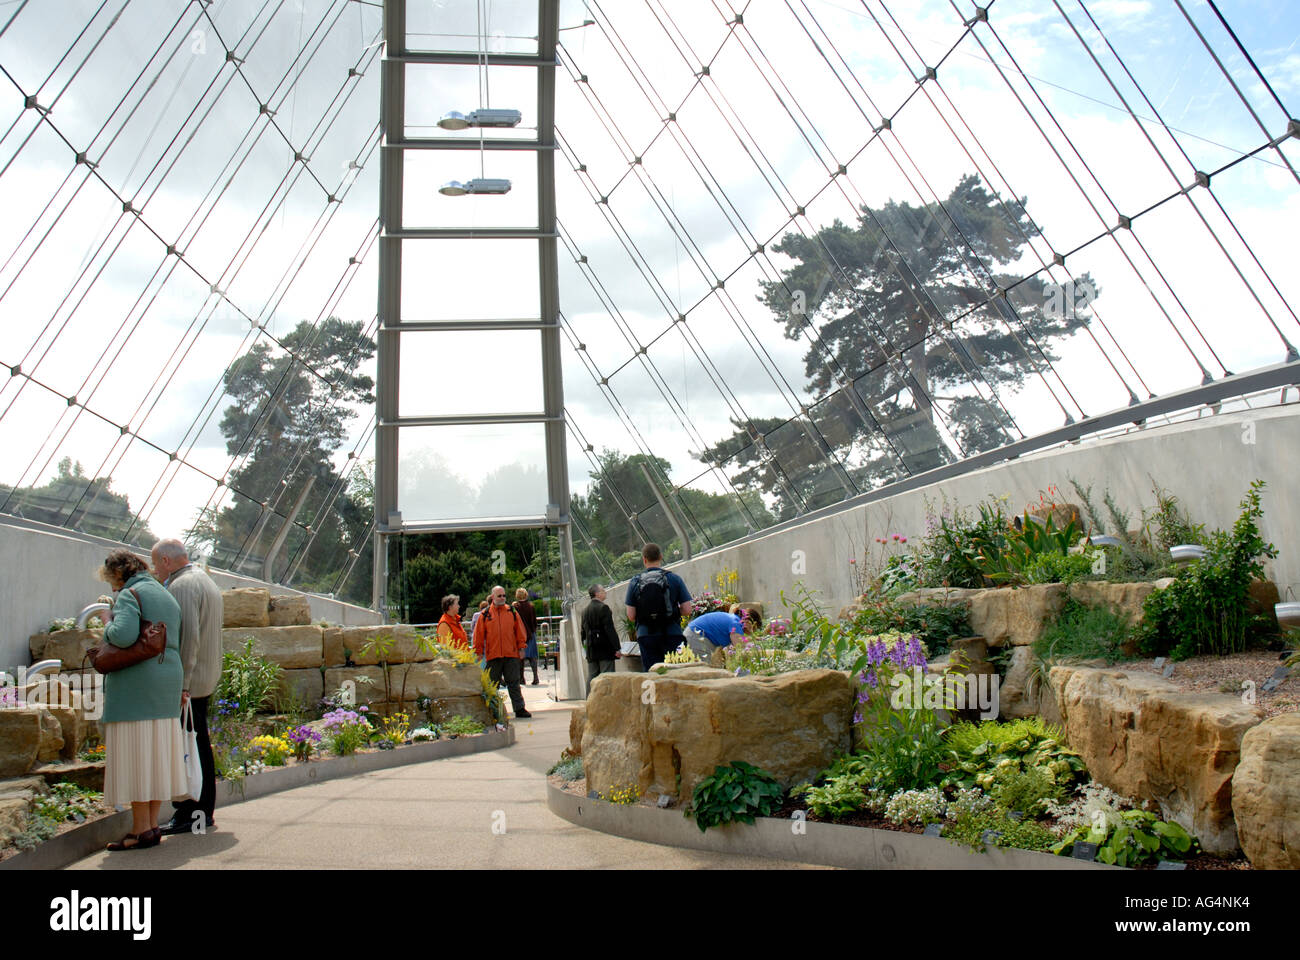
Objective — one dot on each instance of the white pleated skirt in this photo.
(144, 761)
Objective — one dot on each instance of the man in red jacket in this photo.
(500, 639)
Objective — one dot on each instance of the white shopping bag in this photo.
(193, 769)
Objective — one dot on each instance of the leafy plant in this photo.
(970, 826)
(1138, 837)
(395, 728)
(937, 624)
(382, 646)
(624, 796)
(348, 731)
(845, 787)
(1028, 789)
(916, 806)
(568, 768)
(734, 793)
(304, 740)
(422, 734)
(1058, 568)
(249, 682)
(462, 726)
(1080, 632)
(1205, 608)
(683, 654)
(67, 801)
(492, 697)
(37, 830)
(981, 750)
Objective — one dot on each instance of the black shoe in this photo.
(176, 827)
(523, 715)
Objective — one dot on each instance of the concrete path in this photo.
(431, 815)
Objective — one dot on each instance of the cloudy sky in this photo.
(96, 307)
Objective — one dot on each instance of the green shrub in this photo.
(845, 788)
(1058, 568)
(462, 726)
(38, 829)
(970, 826)
(1205, 609)
(67, 801)
(1027, 789)
(248, 680)
(938, 625)
(568, 768)
(981, 751)
(1084, 632)
(735, 793)
(1134, 837)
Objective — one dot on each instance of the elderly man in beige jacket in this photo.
(200, 641)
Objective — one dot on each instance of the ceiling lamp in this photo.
(486, 185)
(483, 117)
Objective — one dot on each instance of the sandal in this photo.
(149, 838)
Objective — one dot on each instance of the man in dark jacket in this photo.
(599, 637)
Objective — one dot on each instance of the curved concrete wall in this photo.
(1208, 464)
(47, 572)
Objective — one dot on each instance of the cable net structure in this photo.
(809, 250)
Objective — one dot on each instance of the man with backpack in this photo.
(500, 639)
(658, 601)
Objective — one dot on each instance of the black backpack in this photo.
(655, 609)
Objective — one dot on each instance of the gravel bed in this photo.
(1214, 674)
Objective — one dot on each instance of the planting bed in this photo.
(1224, 674)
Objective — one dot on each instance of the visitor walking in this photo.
(450, 632)
(144, 746)
(202, 617)
(658, 601)
(529, 617)
(599, 638)
(499, 638)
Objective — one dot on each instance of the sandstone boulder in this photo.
(306, 684)
(1263, 596)
(87, 775)
(442, 709)
(246, 607)
(1016, 616)
(1125, 598)
(437, 679)
(51, 743)
(1022, 692)
(1145, 738)
(20, 740)
(23, 788)
(339, 642)
(577, 726)
(13, 817)
(69, 646)
(293, 648)
(290, 611)
(648, 730)
(74, 730)
(1266, 794)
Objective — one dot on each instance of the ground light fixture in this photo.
(484, 185)
(483, 117)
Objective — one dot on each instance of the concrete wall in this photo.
(46, 573)
(1208, 464)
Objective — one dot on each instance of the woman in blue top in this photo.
(145, 748)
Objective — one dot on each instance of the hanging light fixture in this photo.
(483, 117)
(483, 185)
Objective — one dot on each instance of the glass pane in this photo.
(434, 90)
(434, 283)
(453, 473)
(427, 170)
(510, 26)
(462, 372)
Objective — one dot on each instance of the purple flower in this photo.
(857, 717)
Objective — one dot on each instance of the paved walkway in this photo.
(430, 815)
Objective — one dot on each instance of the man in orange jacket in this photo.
(500, 638)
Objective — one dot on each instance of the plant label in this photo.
(1084, 851)
(1170, 865)
(665, 801)
(932, 830)
(1168, 671)
(1160, 662)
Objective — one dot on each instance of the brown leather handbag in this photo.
(152, 642)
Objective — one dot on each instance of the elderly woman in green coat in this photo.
(145, 747)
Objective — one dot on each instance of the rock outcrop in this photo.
(1145, 738)
(649, 729)
(291, 610)
(293, 648)
(246, 607)
(1266, 793)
